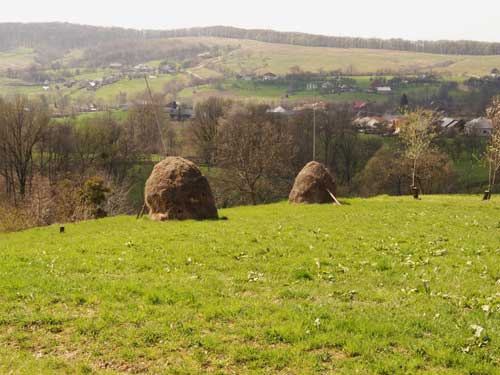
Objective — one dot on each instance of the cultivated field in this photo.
(377, 286)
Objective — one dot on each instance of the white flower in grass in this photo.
(317, 322)
(478, 330)
(254, 276)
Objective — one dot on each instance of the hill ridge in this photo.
(64, 35)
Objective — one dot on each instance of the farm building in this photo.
(449, 123)
(278, 110)
(479, 127)
(269, 77)
(167, 69)
(384, 90)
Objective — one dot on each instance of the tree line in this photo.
(71, 169)
(60, 37)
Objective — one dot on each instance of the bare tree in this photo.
(252, 149)
(22, 123)
(205, 127)
(417, 134)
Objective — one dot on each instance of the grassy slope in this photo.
(16, 59)
(385, 285)
(278, 58)
(259, 57)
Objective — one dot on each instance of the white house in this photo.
(384, 89)
(278, 110)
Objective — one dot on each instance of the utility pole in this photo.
(314, 132)
(157, 117)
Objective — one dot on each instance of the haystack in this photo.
(177, 190)
(314, 184)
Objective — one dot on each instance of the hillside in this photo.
(229, 57)
(66, 36)
(378, 286)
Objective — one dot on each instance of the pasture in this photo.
(386, 285)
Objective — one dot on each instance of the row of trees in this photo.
(60, 37)
(252, 154)
(312, 40)
(258, 153)
(60, 164)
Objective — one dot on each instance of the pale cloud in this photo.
(425, 19)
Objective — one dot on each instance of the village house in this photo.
(279, 110)
(142, 68)
(359, 105)
(448, 124)
(244, 77)
(167, 69)
(479, 127)
(269, 77)
(117, 66)
(371, 124)
(384, 89)
(311, 86)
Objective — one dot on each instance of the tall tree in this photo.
(204, 128)
(22, 123)
(254, 152)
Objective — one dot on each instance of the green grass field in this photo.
(377, 286)
(16, 59)
(249, 56)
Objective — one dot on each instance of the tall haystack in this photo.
(177, 190)
(314, 184)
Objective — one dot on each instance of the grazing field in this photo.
(377, 286)
(260, 57)
(134, 87)
(16, 59)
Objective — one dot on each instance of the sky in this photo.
(421, 19)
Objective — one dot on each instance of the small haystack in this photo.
(314, 184)
(177, 190)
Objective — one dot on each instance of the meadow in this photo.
(245, 57)
(260, 57)
(386, 285)
(15, 59)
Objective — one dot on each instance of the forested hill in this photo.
(67, 36)
(445, 47)
(64, 36)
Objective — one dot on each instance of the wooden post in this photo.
(487, 195)
(141, 212)
(335, 201)
(415, 192)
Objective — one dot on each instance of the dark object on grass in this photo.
(61, 229)
(415, 192)
(487, 195)
(314, 184)
(177, 190)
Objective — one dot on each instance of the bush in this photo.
(388, 173)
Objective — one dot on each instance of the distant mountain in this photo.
(65, 36)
